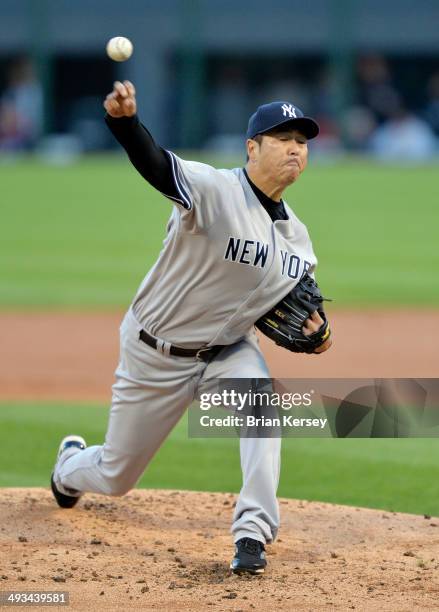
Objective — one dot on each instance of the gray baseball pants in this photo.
(150, 395)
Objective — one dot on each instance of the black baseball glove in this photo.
(283, 323)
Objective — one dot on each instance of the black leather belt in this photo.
(203, 354)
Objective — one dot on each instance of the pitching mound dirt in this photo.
(170, 550)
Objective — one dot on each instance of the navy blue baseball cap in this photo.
(269, 116)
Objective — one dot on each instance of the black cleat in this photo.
(67, 501)
(249, 557)
(64, 501)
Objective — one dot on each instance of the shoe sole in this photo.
(254, 572)
(70, 439)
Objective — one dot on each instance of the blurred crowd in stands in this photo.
(380, 120)
(376, 118)
(21, 107)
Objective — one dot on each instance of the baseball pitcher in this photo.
(234, 255)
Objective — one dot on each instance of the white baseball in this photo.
(119, 48)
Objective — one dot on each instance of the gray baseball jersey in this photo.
(223, 264)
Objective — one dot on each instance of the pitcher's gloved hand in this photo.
(298, 322)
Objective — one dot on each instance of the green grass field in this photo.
(400, 475)
(85, 235)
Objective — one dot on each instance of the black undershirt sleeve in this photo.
(149, 159)
(154, 163)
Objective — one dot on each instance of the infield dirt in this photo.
(72, 356)
(170, 550)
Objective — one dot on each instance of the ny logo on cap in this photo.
(289, 110)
